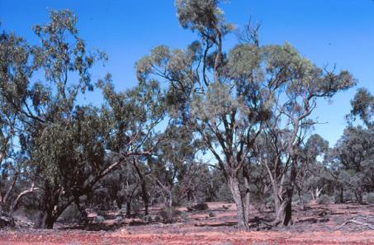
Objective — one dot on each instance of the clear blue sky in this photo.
(328, 32)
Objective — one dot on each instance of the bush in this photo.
(349, 196)
(198, 207)
(224, 194)
(99, 219)
(369, 198)
(169, 215)
(6, 220)
(118, 220)
(324, 199)
(71, 215)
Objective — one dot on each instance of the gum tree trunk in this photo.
(247, 193)
(235, 191)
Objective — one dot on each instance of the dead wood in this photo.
(216, 224)
(353, 221)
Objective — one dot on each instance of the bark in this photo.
(358, 195)
(119, 201)
(284, 214)
(234, 188)
(144, 196)
(46, 220)
(247, 193)
(274, 183)
(276, 196)
(128, 208)
(170, 203)
(341, 195)
(302, 203)
(143, 187)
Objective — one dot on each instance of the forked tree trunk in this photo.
(284, 214)
(235, 191)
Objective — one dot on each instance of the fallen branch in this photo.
(353, 221)
(216, 224)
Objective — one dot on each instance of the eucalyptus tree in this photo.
(363, 107)
(202, 94)
(69, 148)
(228, 97)
(133, 117)
(14, 66)
(299, 86)
(352, 157)
(173, 165)
(313, 175)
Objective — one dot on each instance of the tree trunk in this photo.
(247, 194)
(119, 201)
(128, 208)
(358, 195)
(341, 194)
(45, 220)
(143, 186)
(277, 202)
(302, 203)
(234, 188)
(170, 203)
(145, 196)
(284, 214)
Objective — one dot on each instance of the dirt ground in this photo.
(318, 224)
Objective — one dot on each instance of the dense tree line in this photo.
(203, 124)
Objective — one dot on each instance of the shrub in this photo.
(349, 196)
(324, 199)
(99, 219)
(118, 220)
(198, 207)
(369, 198)
(71, 215)
(169, 215)
(224, 194)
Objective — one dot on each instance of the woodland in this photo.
(203, 125)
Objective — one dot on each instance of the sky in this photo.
(328, 32)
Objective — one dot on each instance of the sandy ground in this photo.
(317, 225)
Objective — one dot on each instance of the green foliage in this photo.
(71, 215)
(352, 159)
(68, 148)
(363, 107)
(201, 15)
(369, 197)
(224, 194)
(246, 105)
(324, 199)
